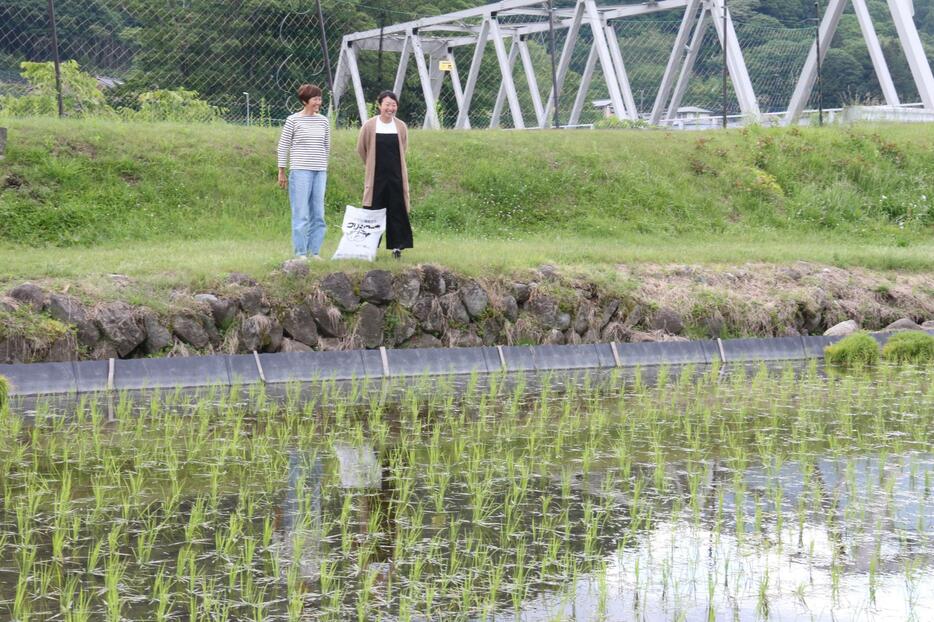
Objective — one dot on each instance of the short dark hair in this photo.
(384, 95)
(307, 91)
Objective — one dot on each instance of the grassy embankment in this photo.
(186, 204)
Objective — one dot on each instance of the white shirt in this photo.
(305, 142)
(386, 128)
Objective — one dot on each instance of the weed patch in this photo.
(856, 351)
(909, 347)
(30, 336)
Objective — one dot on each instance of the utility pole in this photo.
(55, 57)
(379, 62)
(324, 48)
(725, 59)
(820, 81)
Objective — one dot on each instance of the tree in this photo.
(789, 12)
(843, 79)
(80, 93)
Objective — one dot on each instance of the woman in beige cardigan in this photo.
(382, 144)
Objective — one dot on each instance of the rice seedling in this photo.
(4, 392)
(477, 503)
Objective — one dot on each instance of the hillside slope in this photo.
(82, 183)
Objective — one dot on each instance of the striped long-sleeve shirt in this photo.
(305, 142)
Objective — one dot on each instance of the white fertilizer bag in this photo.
(362, 229)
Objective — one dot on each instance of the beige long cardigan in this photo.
(366, 147)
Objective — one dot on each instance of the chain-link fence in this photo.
(245, 58)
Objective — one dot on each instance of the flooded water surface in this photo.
(719, 495)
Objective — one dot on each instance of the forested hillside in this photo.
(223, 49)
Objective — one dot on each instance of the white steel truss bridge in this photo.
(509, 24)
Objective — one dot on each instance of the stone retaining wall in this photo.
(425, 306)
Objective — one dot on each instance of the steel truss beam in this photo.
(403, 67)
(463, 119)
(875, 52)
(597, 26)
(564, 63)
(674, 61)
(431, 110)
(687, 68)
(531, 80)
(903, 17)
(456, 82)
(501, 95)
(434, 38)
(350, 59)
(586, 78)
(506, 64)
(340, 84)
(736, 63)
(622, 76)
(684, 56)
(507, 6)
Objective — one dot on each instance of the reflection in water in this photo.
(301, 531)
(860, 550)
(361, 471)
(301, 523)
(843, 538)
(711, 496)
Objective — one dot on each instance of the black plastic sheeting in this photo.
(442, 361)
(308, 366)
(274, 369)
(779, 349)
(667, 353)
(170, 372)
(814, 346)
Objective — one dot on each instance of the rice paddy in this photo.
(714, 494)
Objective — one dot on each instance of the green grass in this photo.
(857, 351)
(187, 201)
(194, 260)
(4, 391)
(910, 347)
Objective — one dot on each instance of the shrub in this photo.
(857, 350)
(909, 347)
(178, 105)
(612, 123)
(4, 391)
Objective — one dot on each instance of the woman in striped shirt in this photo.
(304, 147)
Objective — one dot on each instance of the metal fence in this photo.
(246, 58)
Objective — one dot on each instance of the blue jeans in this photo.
(306, 194)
